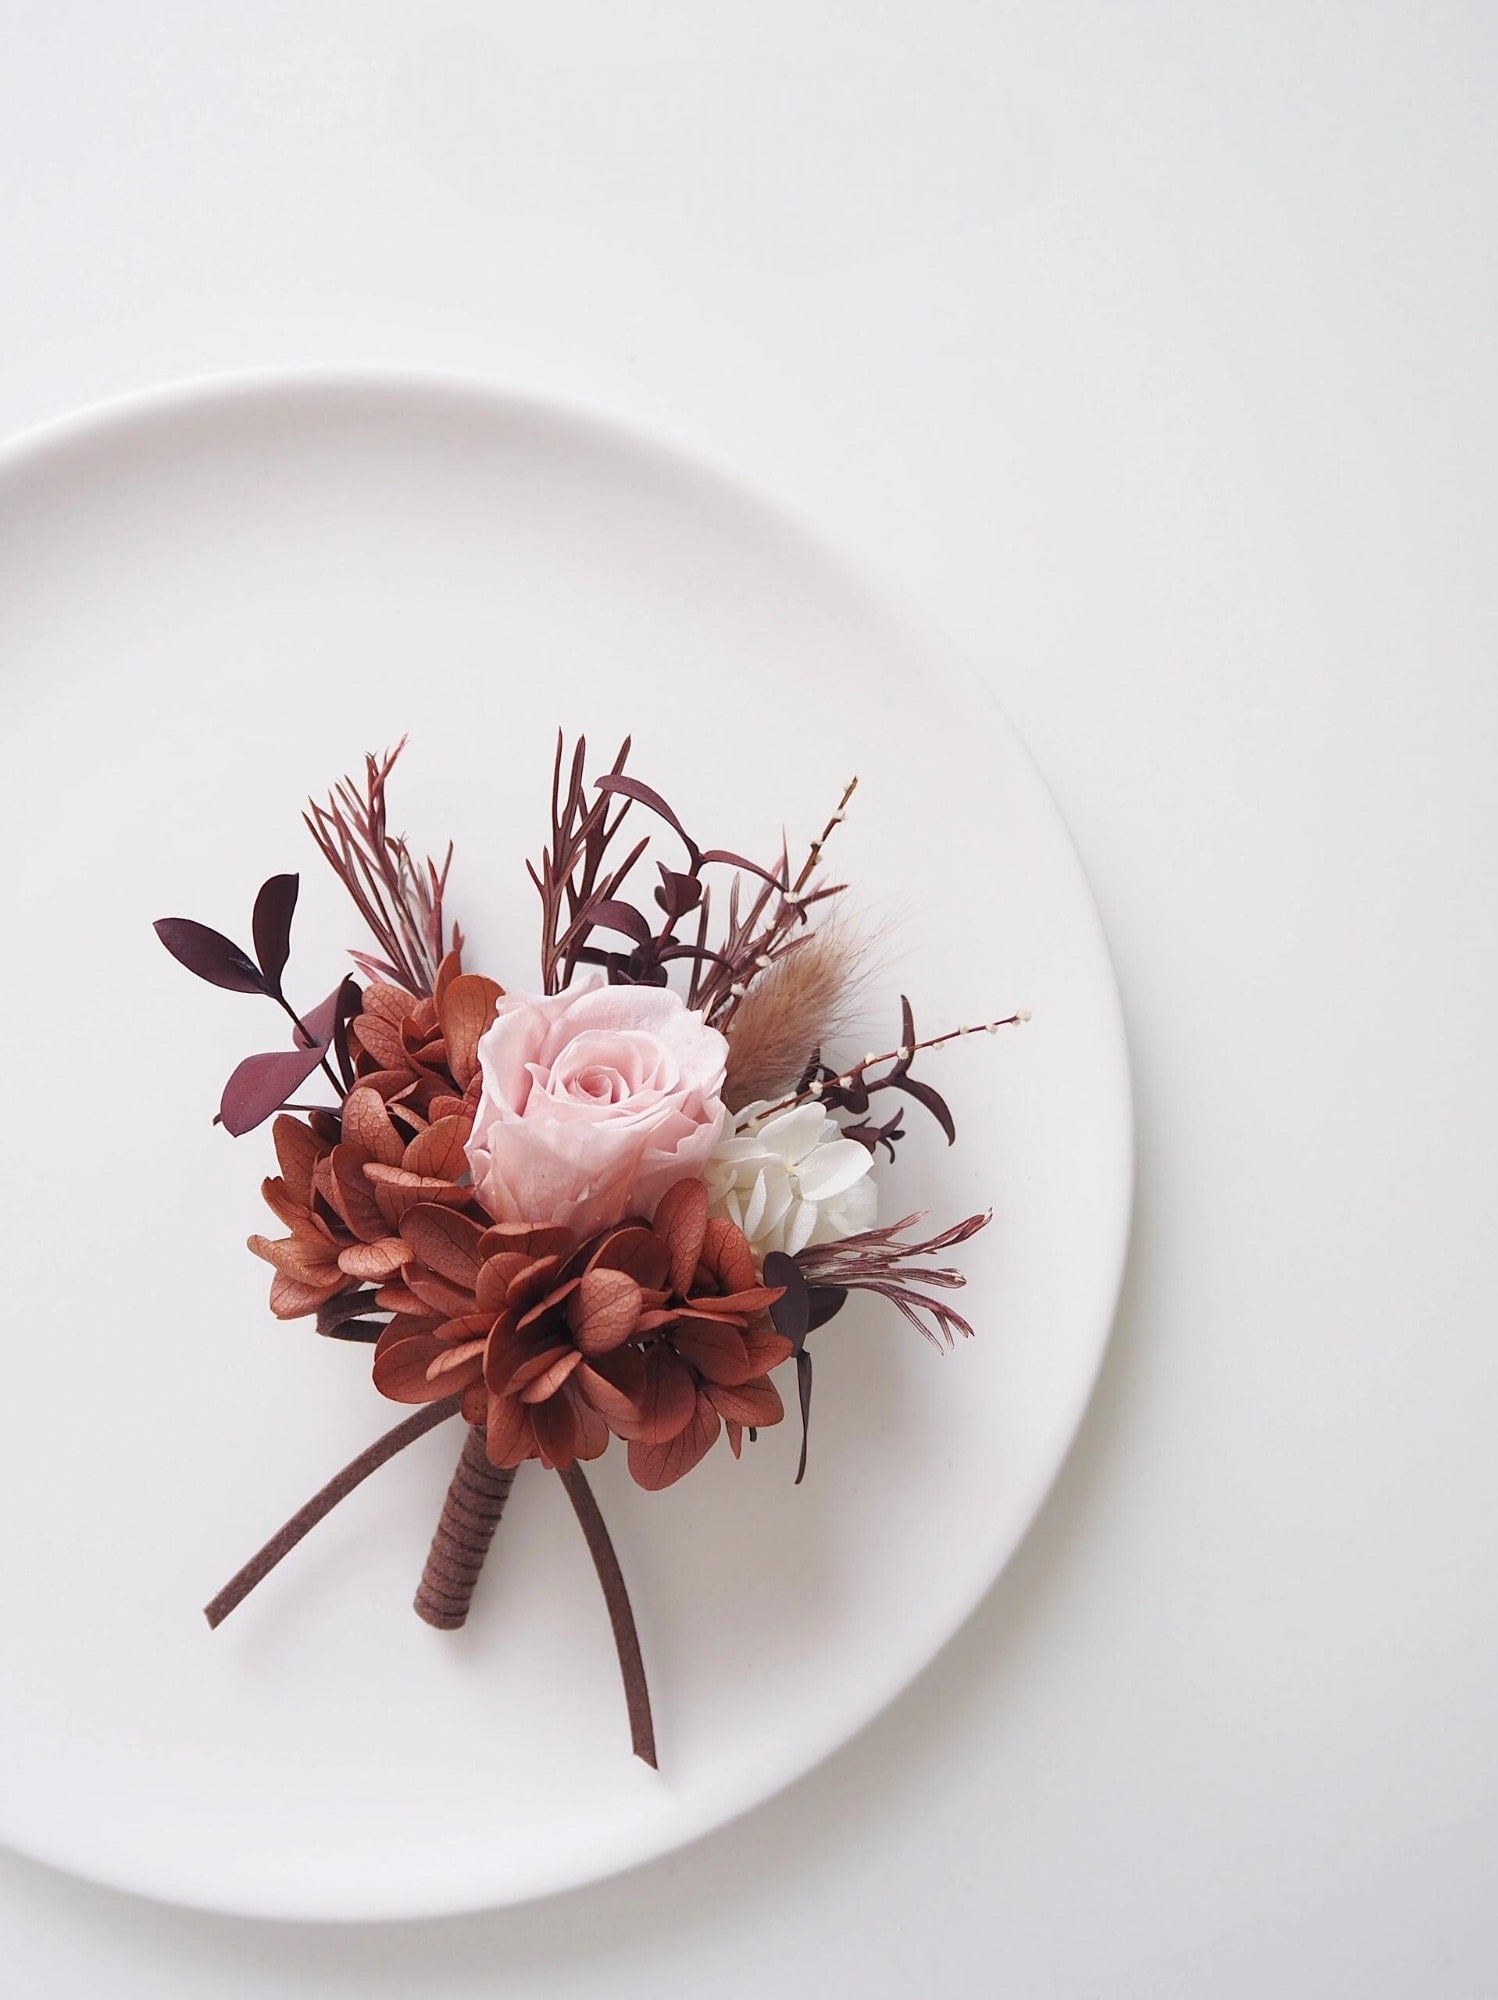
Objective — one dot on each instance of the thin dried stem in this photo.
(855, 1076)
(621, 1617)
(338, 1488)
(399, 897)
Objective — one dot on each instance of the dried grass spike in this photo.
(788, 1013)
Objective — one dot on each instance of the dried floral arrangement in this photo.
(610, 1210)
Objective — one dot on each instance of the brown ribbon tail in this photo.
(616, 1597)
(306, 1518)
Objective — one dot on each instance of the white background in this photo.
(1151, 349)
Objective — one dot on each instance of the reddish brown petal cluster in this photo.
(415, 1050)
(345, 1184)
(655, 1334)
(348, 1177)
(709, 1347)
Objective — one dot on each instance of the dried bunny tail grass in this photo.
(790, 1012)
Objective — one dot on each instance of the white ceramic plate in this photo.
(212, 601)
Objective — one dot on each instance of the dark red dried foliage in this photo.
(655, 1333)
(580, 896)
(399, 895)
(884, 1262)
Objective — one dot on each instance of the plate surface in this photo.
(212, 601)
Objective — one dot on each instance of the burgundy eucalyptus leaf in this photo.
(678, 893)
(271, 925)
(703, 954)
(803, 1388)
(732, 860)
(350, 1001)
(907, 1032)
(322, 1022)
(262, 1084)
(874, 1136)
(623, 918)
(631, 788)
(933, 1100)
(791, 1312)
(211, 955)
(827, 1301)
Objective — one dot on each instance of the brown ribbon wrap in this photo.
(471, 1512)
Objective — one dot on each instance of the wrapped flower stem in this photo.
(470, 1514)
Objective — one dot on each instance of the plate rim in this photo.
(31, 446)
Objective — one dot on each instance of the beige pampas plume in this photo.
(788, 1013)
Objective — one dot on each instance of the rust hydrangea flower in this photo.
(345, 1183)
(709, 1347)
(653, 1333)
(348, 1176)
(416, 1050)
(495, 1315)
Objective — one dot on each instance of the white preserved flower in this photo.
(789, 1178)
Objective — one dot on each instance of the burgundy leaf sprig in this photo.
(851, 1089)
(581, 895)
(261, 1084)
